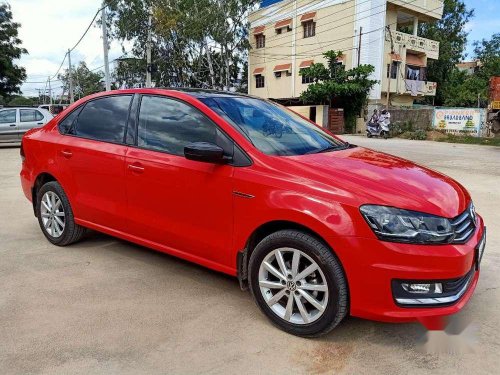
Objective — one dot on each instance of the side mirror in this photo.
(205, 152)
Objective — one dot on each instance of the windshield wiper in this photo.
(325, 149)
(328, 148)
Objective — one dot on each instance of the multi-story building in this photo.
(469, 67)
(289, 35)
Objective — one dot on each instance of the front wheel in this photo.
(55, 215)
(385, 134)
(298, 283)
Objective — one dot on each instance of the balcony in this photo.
(428, 10)
(414, 43)
(422, 88)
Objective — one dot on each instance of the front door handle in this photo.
(66, 153)
(39, 123)
(12, 125)
(136, 167)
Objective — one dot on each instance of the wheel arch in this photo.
(40, 180)
(266, 229)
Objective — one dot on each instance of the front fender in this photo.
(325, 218)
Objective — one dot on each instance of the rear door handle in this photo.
(136, 167)
(39, 123)
(66, 153)
(12, 125)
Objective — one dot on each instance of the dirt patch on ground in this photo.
(434, 135)
(326, 357)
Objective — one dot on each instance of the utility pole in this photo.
(50, 93)
(148, 54)
(359, 44)
(294, 47)
(70, 74)
(105, 47)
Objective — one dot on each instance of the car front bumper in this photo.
(372, 266)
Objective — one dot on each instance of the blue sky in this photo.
(485, 23)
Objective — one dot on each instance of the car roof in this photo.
(193, 92)
(206, 93)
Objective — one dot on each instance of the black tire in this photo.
(368, 135)
(336, 307)
(385, 135)
(72, 232)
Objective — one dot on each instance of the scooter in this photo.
(380, 128)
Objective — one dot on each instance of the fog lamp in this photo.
(429, 288)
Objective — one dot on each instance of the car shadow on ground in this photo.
(350, 330)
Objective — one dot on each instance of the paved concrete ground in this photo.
(108, 306)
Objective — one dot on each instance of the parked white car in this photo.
(14, 122)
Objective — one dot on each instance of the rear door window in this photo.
(8, 116)
(104, 119)
(30, 115)
(168, 125)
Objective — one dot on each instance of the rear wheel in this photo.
(55, 215)
(298, 283)
(385, 134)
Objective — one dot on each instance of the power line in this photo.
(88, 28)
(71, 49)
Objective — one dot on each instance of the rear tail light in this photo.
(21, 152)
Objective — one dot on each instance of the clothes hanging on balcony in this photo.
(411, 86)
(414, 86)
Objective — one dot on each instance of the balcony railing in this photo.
(414, 43)
(421, 88)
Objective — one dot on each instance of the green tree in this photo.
(452, 37)
(11, 75)
(339, 88)
(21, 100)
(488, 53)
(198, 43)
(466, 90)
(85, 81)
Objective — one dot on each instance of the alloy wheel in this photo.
(52, 213)
(293, 286)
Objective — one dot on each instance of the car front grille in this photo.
(464, 225)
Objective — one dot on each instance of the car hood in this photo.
(378, 178)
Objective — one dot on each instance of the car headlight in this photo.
(397, 225)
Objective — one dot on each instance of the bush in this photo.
(418, 135)
(398, 128)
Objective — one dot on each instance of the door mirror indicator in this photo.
(206, 152)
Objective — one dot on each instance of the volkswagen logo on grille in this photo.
(472, 211)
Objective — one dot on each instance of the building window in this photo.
(260, 40)
(259, 81)
(416, 73)
(281, 30)
(306, 80)
(309, 29)
(392, 70)
(277, 74)
(288, 73)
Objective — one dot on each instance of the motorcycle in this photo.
(380, 128)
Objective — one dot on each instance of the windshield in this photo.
(273, 129)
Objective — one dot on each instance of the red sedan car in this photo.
(315, 227)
